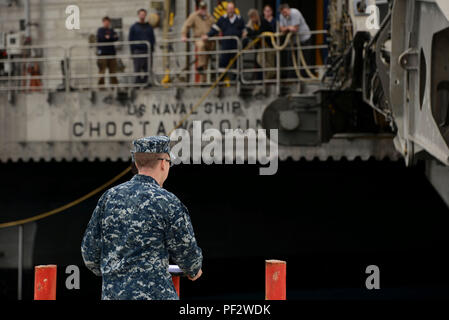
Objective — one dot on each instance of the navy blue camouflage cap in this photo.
(153, 144)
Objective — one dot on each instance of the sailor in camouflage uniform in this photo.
(136, 227)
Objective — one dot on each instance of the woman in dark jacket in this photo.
(255, 27)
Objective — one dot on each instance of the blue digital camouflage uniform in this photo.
(133, 231)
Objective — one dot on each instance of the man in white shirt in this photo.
(291, 20)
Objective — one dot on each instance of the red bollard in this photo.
(45, 282)
(176, 274)
(176, 282)
(275, 280)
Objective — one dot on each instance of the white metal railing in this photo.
(75, 67)
(281, 68)
(83, 70)
(32, 68)
(168, 65)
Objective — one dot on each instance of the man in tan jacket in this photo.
(200, 22)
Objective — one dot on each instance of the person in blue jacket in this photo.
(106, 54)
(141, 31)
(228, 25)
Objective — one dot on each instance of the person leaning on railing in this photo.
(106, 34)
(200, 22)
(270, 23)
(291, 20)
(228, 25)
(254, 28)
